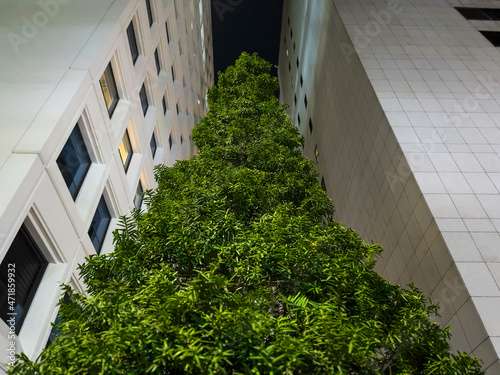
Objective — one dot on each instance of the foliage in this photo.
(237, 267)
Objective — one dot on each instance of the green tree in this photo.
(237, 267)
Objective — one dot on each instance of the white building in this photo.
(94, 94)
(399, 102)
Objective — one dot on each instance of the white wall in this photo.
(50, 81)
(404, 102)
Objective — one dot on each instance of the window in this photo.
(289, 66)
(157, 62)
(175, 9)
(170, 141)
(297, 63)
(132, 42)
(310, 126)
(168, 34)
(323, 184)
(25, 257)
(298, 118)
(55, 330)
(173, 72)
(301, 81)
(305, 101)
(316, 153)
(153, 145)
(295, 99)
(177, 108)
(480, 14)
(125, 151)
(182, 139)
(150, 12)
(291, 33)
(138, 196)
(99, 225)
(492, 36)
(164, 104)
(108, 87)
(144, 99)
(74, 162)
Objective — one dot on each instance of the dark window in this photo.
(288, 21)
(125, 151)
(173, 73)
(291, 33)
(138, 196)
(298, 118)
(150, 12)
(323, 184)
(182, 139)
(74, 162)
(99, 225)
(157, 62)
(289, 66)
(108, 87)
(305, 101)
(132, 42)
(297, 62)
(301, 81)
(170, 141)
(295, 99)
(492, 36)
(310, 126)
(164, 104)
(175, 9)
(168, 34)
(177, 108)
(284, 40)
(153, 145)
(144, 99)
(480, 14)
(56, 330)
(29, 264)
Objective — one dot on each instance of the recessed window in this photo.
(310, 126)
(289, 66)
(295, 99)
(56, 330)
(144, 99)
(480, 14)
(150, 12)
(132, 42)
(176, 11)
(164, 104)
(125, 151)
(286, 52)
(168, 34)
(297, 63)
(291, 33)
(293, 47)
(108, 87)
(288, 21)
(181, 52)
(301, 81)
(138, 196)
(284, 40)
(24, 266)
(177, 108)
(170, 141)
(305, 101)
(153, 145)
(157, 62)
(298, 118)
(316, 153)
(74, 162)
(492, 36)
(182, 139)
(99, 225)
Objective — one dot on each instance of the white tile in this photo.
(468, 206)
(491, 204)
(462, 247)
(467, 162)
(406, 135)
(429, 182)
(488, 245)
(490, 162)
(479, 225)
(488, 308)
(411, 105)
(398, 119)
(441, 206)
(472, 135)
(443, 162)
(478, 279)
(455, 182)
(480, 183)
(451, 225)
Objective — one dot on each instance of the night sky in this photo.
(245, 25)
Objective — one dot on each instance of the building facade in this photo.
(399, 103)
(94, 94)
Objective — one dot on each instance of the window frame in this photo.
(114, 100)
(130, 153)
(132, 42)
(143, 97)
(102, 204)
(155, 147)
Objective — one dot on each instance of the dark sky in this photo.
(245, 25)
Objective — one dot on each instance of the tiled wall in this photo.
(403, 99)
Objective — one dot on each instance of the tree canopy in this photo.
(237, 267)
